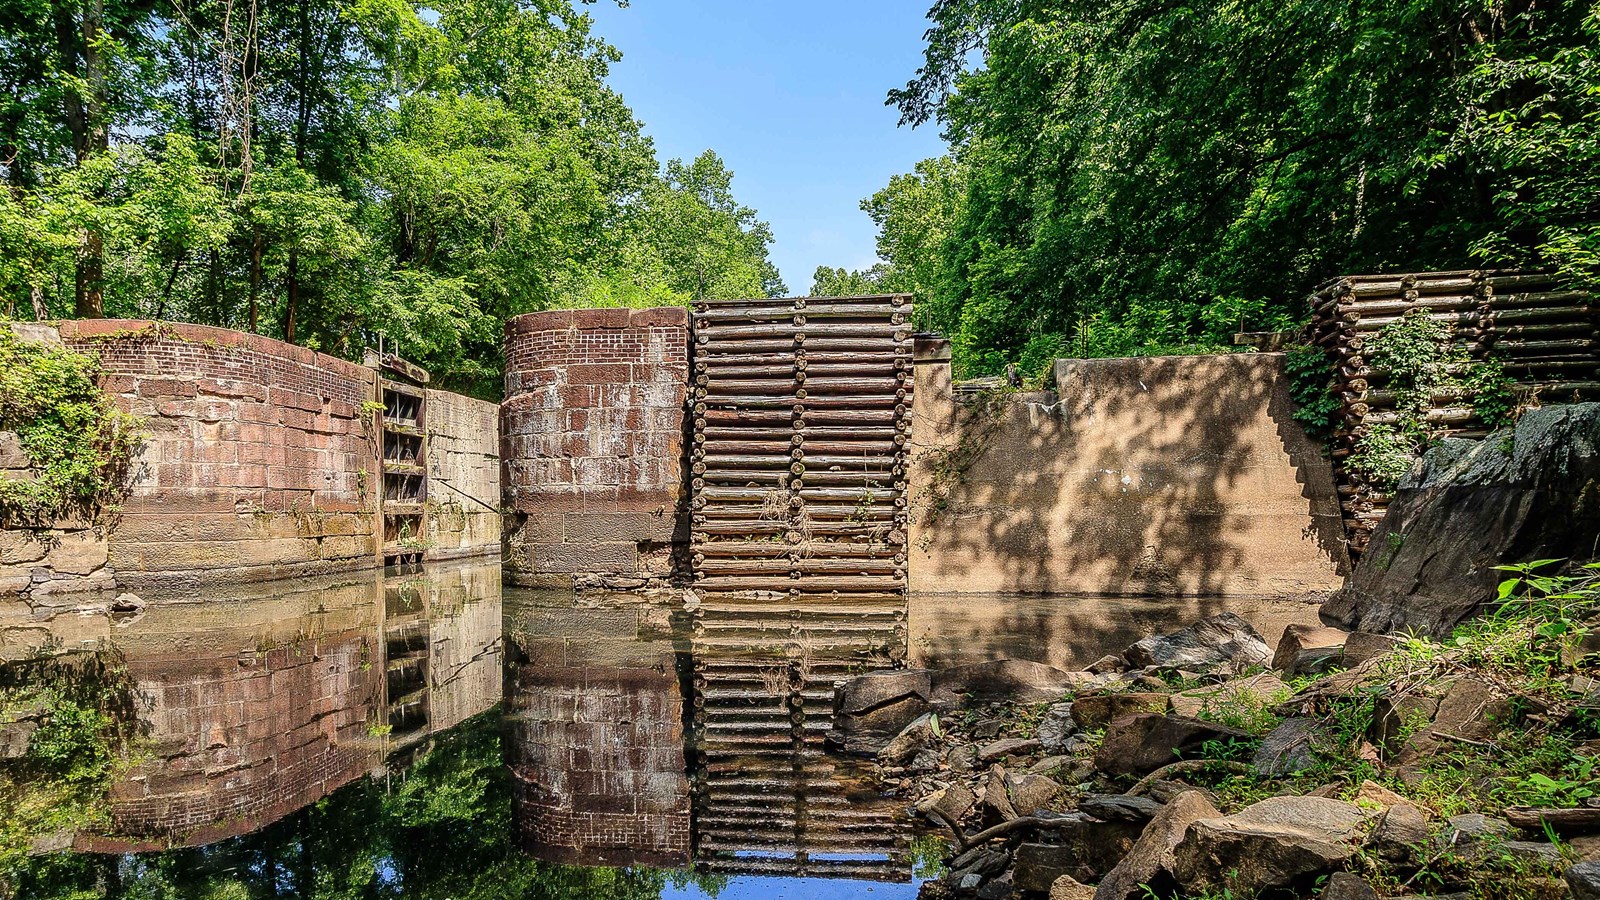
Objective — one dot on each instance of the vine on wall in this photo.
(79, 446)
(1425, 368)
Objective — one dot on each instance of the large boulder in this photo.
(1281, 842)
(1150, 861)
(1143, 742)
(869, 711)
(1468, 506)
(1290, 749)
(1222, 643)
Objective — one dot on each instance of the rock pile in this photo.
(1100, 785)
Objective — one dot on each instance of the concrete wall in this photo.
(1161, 476)
(257, 462)
(592, 443)
(463, 475)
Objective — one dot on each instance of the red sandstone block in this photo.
(601, 374)
(600, 318)
(118, 384)
(231, 387)
(297, 418)
(660, 317)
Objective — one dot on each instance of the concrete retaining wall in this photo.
(592, 442)
(463, 475)
(1159, 476)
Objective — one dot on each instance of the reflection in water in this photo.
(636, 737)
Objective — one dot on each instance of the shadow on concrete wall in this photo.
(1158, 476)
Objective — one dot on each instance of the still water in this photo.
(438, 734)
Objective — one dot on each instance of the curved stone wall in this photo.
(592, 443)
(257, 461)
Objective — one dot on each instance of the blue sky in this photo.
(791, 96)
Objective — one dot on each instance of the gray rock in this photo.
(1119, 807)
(1031, 793)
(1142, 742)
(1281, 842)
(953, 802)
(1472, 828)
(1007, 747)
(1221, 643)
(926, 760)
(996, 803)
(1055, 727)
(1093, 712)
(998, 889)
(14, 738)
(1090, 847)
(1049, 764)
(1110, 664)
(1039, 866)
(962, 759)
(1289, 749)
(912, 740)
(1583, 881)
(968, 881)
(1345, 886)
(1469, 506)
(1150, 861)
(870, 710)
(980, 861)
(1400, 835)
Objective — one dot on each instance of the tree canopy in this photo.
(326, 170)
(1135, 176)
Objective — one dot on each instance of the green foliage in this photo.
(76, 440)
(1311, 386)
(1127, 173)
(420, 173)
(1424, 367)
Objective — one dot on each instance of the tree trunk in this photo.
(292, 282)
(255, 279)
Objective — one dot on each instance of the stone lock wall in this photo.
(592, 444)
(1151, 476)
(257, 461)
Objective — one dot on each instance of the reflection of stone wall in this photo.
(1166, 475)
(596, 741)
(592, 440)
(463, 475)
(255, 709)
(466, 654)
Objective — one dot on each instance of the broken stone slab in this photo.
(1055, 727)
(912, 740)
(962, 759)
(995, 802)
(1013, 680)
(1093, 712)
(1309, 649)
(871, 709)
(1280, 842)
(1467, 707)
(1040, 866)
(1221, 643)
(1119, 807)
(1143, 742)
(1151, 859)
(1583, 820)
(1007, 747)
(1089, 847)
(1289, 749)
(1401, 835)
(999, 889)
(1049, 764)
(980, 861)
(1262, 689)
(1110, 664)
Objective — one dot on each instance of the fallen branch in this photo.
(1183, 767)
(1004, 828)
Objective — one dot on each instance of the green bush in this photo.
(79, 444)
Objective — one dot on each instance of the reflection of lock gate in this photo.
(802, 416)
